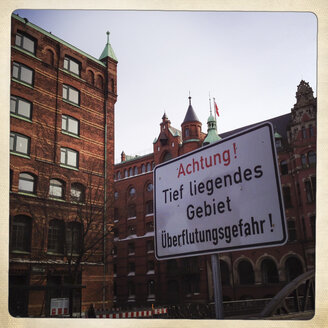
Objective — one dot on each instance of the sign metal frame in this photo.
(231, 248)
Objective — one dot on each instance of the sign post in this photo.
(217, 284)
(223, 197)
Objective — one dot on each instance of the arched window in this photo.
(311, 130)
(99, 82)
(312, 158)
(49, 59)
(56, 189)
(56, 235)
(303, 132)
(26, 183)
(269, 272)
(187, 132)
(283, 167)
(293, 267)
(135, 170)
(131, 172)
(126, 174)
(225, 273)
(90, 77)
(77, 193)
(131, 230)
(118, 175)
(245, 273)
(131, 249)
(73, 238)
(143, 168)
(148, 167)
(20, 234)
(149, 187)
(132, 191)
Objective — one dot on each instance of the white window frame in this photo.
(29, 179)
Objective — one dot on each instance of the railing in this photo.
(297, 296)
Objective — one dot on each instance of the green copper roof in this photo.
(108, 50)
(25, 21)
(277, 135)
(212, 134)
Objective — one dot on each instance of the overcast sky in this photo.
(251, 62)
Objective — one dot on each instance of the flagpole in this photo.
(215, 112)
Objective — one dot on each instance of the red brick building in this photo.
(61, 173)
(140, 280)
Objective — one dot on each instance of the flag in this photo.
(216, 108)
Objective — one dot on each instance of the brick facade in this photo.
(61, 173)
(140, 280)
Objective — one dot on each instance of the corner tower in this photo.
(191, 130)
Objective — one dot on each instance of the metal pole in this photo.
(217, 286)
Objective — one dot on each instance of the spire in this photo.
(212, 133)
(108, 50)
(190, 115)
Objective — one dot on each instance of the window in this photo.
(150, 266)
(135, 170)
(187, 132)
(26, 183)
(77, 193)
(131, 230)
(71, 94)
(167, 156)
(287, 197)
(116, 233)
(23, 73)
(126, 174)
(269, 272)
(131, 267)
(19, 143)
(291, 230)
(143, 168)
(20, 236)
(312, 223)
(131, 289)
(312, 158)
(56, 236)
(310, 188)
(303, 161)
(293, 268)
(20, 107)
(73, 238)
(311, 130)
(131, 248)
(303, 132)
(246, 273)
(56, 189)
(118, 175)
(132, 192)
(116, 194)
(25, 42)
(69, 157)
(70, 125)
(151, 288)
(149, 226)
(72, 65)
(284, 167)
(278, 142)
(131, 172)
(148, 167)
(114, 251)
(132, 211)
(149, 207)
(150, 187)
(150, 246)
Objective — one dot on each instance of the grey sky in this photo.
(250, 62)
